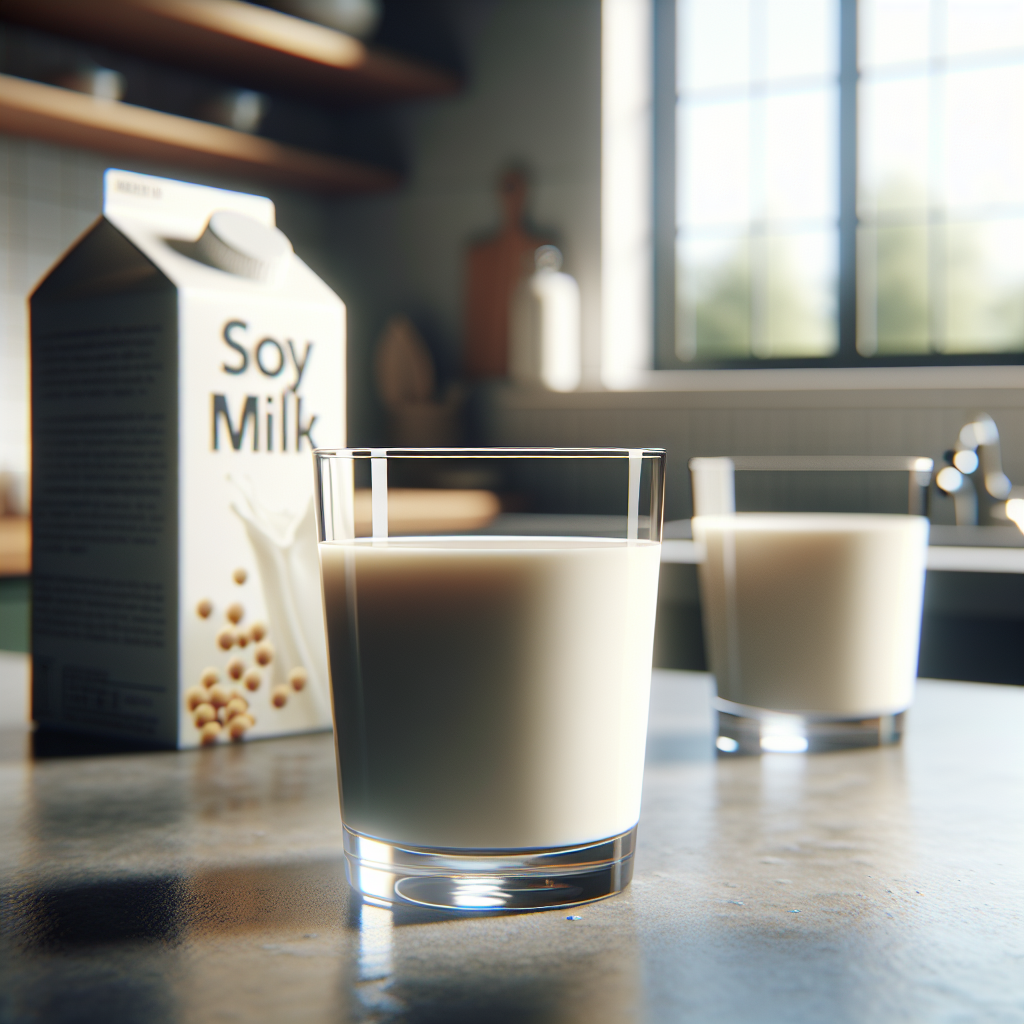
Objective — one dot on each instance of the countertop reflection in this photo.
(876, 885)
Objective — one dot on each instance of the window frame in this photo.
(665, 100)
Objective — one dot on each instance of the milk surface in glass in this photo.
(490, 692)
(816, 613)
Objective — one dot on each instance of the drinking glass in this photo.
(812, 619)
(490, 679)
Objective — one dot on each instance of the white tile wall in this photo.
(923, 421)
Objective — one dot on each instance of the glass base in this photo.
(748, 730)
(488, 880)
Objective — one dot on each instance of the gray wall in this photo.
(533, 98)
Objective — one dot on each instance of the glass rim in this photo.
(827, 521)
(504, 452)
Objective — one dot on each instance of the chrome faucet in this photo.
(981, 491)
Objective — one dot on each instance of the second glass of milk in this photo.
(812, 623)
(490, 671)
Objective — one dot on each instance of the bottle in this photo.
(544, 332)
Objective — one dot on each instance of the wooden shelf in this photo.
(240, 42)
(60, 115)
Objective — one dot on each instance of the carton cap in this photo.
(173, 209)
(240, 245)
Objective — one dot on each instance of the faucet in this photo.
(974, 477)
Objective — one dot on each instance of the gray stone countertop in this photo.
(876, 885)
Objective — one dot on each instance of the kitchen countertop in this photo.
(881, 885)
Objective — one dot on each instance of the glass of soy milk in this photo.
(811, 620)
(490, 669)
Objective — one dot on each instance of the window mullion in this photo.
(848, 76)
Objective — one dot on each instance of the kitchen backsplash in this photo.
(915, 420)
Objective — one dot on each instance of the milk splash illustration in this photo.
(284, 544)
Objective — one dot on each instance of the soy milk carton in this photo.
(185, 362)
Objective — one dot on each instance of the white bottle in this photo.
(544, 333)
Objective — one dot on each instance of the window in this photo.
(845, 183)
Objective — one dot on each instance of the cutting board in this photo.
(494, 267)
